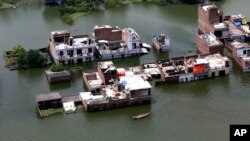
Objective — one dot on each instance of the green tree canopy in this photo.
(18, 50)
(30, 59)
(57, 67)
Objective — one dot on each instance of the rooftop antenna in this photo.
(207, 2)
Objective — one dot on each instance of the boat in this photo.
(140, 116)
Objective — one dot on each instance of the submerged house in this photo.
(208, 14)
(239, 22)
(210, 20)
(161, 43)
(209, 43)
(129, 91)
(240, 54)
(69, 49)
(54, 77)
(93, 81)
(108, 72)
(114, 42)
(47, 101)
(135, 87)
(185, 69)
(119, 87)
(218, 65)
(152, 71)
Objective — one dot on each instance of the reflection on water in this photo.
(179, 112)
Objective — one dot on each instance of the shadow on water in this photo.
(119, 113)
(32, 74)
(200, 88)
(59, 86)
(160, 56)
(243, 78)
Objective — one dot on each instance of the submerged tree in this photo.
(31, 59)
(18, 50)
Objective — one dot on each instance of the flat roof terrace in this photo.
(210, 40)
(239, 45)
(233, 30)
(92, 80)
(220, 26)
(47, 97)
(207, 7)
(78, 42)
(216, 61)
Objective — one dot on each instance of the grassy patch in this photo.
(77, 15)
(227, 53)
(152, 82)
(79, 107)
(4, 5)
(70, 18)
(49, 112)
(10, 61)
(125, 2)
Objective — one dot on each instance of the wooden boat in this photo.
(140, 116)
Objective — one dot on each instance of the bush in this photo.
(18, 50)
(68, 19)
(57, 67)
(1, 4)
(31, 59)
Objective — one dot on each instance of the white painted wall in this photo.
(225, 34)
(188, 77)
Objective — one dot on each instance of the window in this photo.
(134, 45)
(244, 52)
(218, 33)
(79, 51)
(70, 53)
(90, 50)
(61, 53)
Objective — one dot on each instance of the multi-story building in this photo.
(209, 43)
(67, 49)
(240, 54)
(190, 68)
(210, 20)
(113, 42)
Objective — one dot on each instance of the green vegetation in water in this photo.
(4, 5)
(49, 112)
(152, 82)
(31, 59)
(57, 67)
(79, 107)
(227, 53)
(72, 9)
(20, 58)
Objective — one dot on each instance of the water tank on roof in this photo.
(207, 40)
(238, 24)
